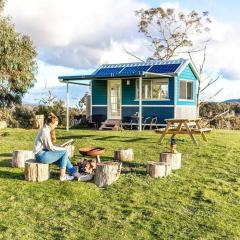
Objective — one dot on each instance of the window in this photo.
(186, 90)
(153, 89)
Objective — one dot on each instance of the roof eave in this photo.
(70, 82)
(159, 74)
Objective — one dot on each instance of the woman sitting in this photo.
(46, 152)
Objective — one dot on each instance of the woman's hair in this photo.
(51, 119)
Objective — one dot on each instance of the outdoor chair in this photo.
(96, 120)
(78, 119)
(126, 122)
(146, 122)
(154, 123)
(150, 122)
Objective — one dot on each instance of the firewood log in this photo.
(88, 166)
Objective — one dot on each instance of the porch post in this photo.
(140, 104)
(67, 103)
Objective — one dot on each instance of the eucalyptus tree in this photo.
(17, 62)
(173, 33)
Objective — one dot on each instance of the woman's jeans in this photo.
(57, 157)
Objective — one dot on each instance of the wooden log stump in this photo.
(107, 173)
(158, 169)
(36, 172)
(174, 159)
(19, 158)
(70, 150)
(124, 155)
(148, 164)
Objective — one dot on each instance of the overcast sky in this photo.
(75, 37)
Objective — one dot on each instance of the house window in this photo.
(153, 89)
(186, 90)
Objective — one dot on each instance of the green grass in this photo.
(199, 201)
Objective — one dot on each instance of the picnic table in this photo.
(184, 126)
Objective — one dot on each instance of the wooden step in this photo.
(110, 124)
(107, 127)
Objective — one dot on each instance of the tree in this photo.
(173, 34)
(17, 62)
(49, 100)
(82, 103)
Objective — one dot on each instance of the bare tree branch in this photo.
(214, 95)
(133, 55)
(212, 80)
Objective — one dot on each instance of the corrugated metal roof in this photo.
(135, 69)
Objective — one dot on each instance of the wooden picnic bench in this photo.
(183, 126)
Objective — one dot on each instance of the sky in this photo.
(74, 37)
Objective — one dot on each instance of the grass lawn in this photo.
(199, 201)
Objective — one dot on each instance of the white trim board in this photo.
(136, 105)
(99, 105)
(148, 105)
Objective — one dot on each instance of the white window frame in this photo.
(152, 99)
(185, 99)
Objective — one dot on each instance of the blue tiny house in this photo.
(168, 89)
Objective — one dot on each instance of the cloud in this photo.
(75, 33)
(224, 50)
(47, 76)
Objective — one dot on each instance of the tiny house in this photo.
(162, 89)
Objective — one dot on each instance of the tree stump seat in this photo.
(124, 155)
(174, 159)
(36, 172)
(107, 173)
(158, 169)
(19, 158)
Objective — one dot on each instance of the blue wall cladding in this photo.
(129, 111)
(166, 68)
(161, 113)
(99, 92)
(128, 92)
(187, 74)
(99, 111)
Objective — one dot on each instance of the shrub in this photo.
(6, 114)
(24, 116)
(59, 110)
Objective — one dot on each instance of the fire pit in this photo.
(92, 152)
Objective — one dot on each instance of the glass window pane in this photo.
(159, 89)
(137, 89)
(182, 90)
(189, 90)
(146, 89)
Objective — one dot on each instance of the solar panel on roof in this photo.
(108, 71)
(167, 68)
(134, 70)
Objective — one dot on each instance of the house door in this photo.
(114, 99)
